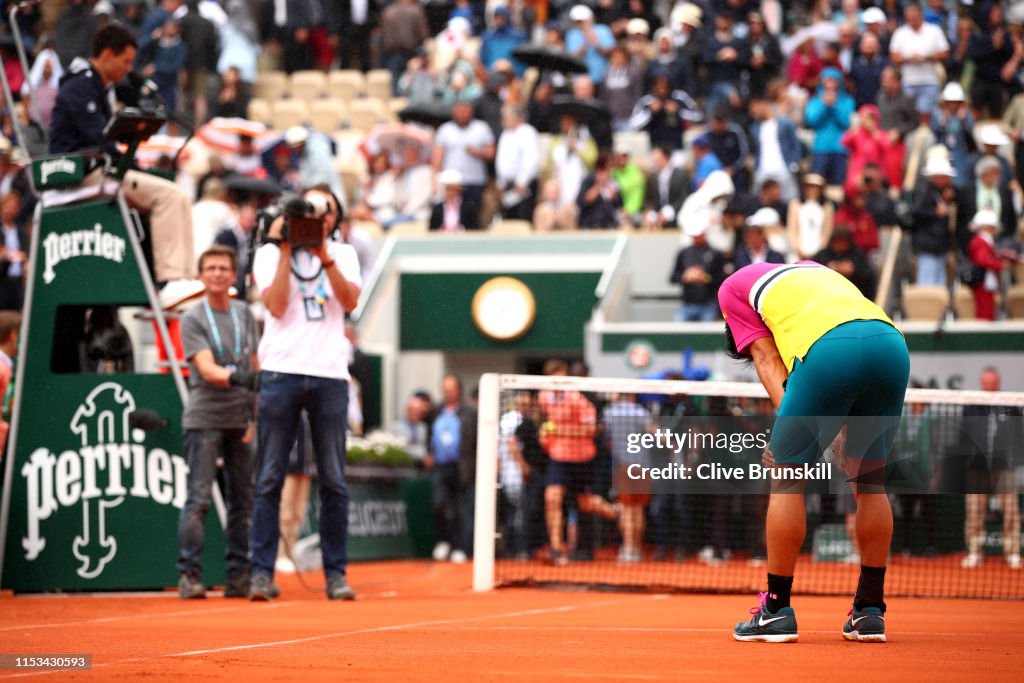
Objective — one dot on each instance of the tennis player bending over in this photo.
(825, 354)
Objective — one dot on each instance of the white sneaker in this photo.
(177, 292)
(1013, 561)
(458, 557)
(284, 565)
(441, 551)
(972, 561)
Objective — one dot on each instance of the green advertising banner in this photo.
(387, 518)
(90, 502)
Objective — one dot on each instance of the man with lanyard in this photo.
(304, 359)
(825, 354)
(220, 341)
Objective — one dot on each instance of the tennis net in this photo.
(662, 489)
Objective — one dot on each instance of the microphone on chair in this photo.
(145, 86)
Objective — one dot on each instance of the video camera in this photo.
(302, 227)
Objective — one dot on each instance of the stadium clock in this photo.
(504, 309)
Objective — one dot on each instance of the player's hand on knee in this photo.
(767, 459)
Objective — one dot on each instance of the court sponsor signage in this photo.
(89, 502)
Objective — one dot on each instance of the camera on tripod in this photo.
(303, 228)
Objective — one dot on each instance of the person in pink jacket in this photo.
(867, 142)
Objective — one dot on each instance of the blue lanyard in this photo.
(216, 333)
(321, 295)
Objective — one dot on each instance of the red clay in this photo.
(418, 621)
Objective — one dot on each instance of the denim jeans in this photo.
(830, 166)
(202, 448)
(931, 269)
(448, 508)
(282, 397)
(698, 313)
(925, 96)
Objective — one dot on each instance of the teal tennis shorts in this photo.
(855, 374)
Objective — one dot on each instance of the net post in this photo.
(489, 411)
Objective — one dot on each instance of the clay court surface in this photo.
(419, 621)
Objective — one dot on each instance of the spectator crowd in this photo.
(842, 118)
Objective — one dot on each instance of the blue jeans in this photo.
(720, 96)
(202, 448)
(931, 269)
(698, 313)
(925, 96)
(282, 397)
(830, 166)
(448, 506)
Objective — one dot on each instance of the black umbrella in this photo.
(587, 111)
(547, 58)
(428, 113)
(241, 183)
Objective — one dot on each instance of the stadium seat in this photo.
(410, 229)
(963, 302)
(638, 143)
(288, 113)
(270, 85)
(327, 115)
(365, 113)
(1015, 301)
(511, 227)
(395, 105)
(925, 302)
(350, 182)
(345, 84)
(308, 85)
(259, 110)
(371, 228)
(378, 84)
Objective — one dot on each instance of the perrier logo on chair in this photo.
(58, 171)
(111, 465)
(69, 245)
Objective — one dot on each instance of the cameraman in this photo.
(82, 111)
(304, 357)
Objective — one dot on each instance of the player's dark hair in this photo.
(113, 36)
(732, 351)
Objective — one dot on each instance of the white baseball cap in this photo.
(450, 177)
(939, 166)
(985, 217)
(581, 13)
(873, 15)
(953, 92)
(296, 135)
(764, 217)
(993, 135)
(637, 25)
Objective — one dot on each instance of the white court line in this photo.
(183, 613)
(491, 673)
(683, 629)
(129, 617)
(364, 631)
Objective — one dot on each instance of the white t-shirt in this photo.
(929, 41)
(455, 140)
(293, 343)
(771, 163)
